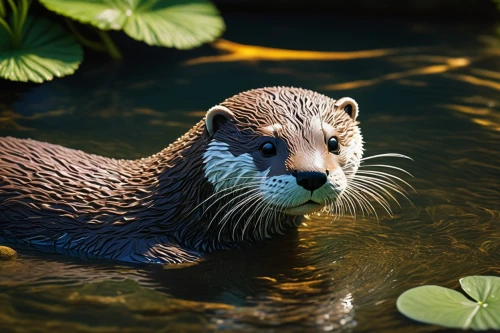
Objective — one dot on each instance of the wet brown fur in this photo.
(68, 201)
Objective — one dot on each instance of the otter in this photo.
(253, 167)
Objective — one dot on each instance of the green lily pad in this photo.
(46, 50)
(182, 24)
(449, 308)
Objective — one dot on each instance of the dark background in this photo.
(477, 10)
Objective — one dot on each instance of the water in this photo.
(434, 98)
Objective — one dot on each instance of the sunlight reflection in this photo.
(347, 302)
(339, 314)
(487, 123)
(8, 123)
(451, 63)
(475, 81)
(487, 117)
(413, 83)
(196, 114)
(170, 124)
(10, 119)
(242, 52)
(467, 109)
(487, 73)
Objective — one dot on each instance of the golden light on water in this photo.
(486, 73)
(451, 63)
(487, 123)
(475, 81)
(484, 116)
(242, 52)
(467, 109)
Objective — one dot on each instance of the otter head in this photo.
(291, 150)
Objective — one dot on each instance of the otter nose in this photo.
(310, 180)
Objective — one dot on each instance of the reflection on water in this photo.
(242, 52)
(450, 64)
(438, 104)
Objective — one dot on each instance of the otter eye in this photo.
(333, 145)
(268, 149)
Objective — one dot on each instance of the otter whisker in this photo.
(261, 221)
(363, 199)
(359, 197)
(386, 176)
(382, 181)
(275, 215)
(384, 185)
(373, 192)
(271, 215)
(253, 194)
(334, 204)
(250, 189)
(386, 166)
(329, 201)
(258, 208)
(331, 205)
(262, 226)
(239, 177)
(372, 183)
(383, 175)
(260, 204)
(362, 202)
(385, 155)
(349, 202)
(263, 208)
(242, 186)
(257, 230)
(228, 214)
(236, 188)
(340, 206)
(211, 196)
(256, 202)
(229, 202)
(374, 195)
(385, 180)
(354, 201)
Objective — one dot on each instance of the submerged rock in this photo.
(6, 253)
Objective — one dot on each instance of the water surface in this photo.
(426, 91)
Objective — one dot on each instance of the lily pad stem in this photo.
(96, 46)
(18, 18)
(25, 5)
(15, 22)
(2, 9)
(7, 28)
(113, 50)
(13, 7)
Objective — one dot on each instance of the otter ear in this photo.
(215, 116)
(349, 106)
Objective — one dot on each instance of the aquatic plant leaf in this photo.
(485, 290)
(436, 305)
(46, 50)
(182, 24)
(450, 308)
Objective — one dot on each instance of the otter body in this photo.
(250, 169)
